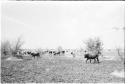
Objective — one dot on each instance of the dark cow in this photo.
(63, 52)
(35, 55)
(51, 52)
(28, 52)
(72, 53)
(57, 53)
(90, 57)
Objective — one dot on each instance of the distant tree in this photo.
(8, 48)
(94, 45)
(17, 45)
(60, 48)
(5, 48)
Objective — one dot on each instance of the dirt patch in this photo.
(13, 59)
(118, 73)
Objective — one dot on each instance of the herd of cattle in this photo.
(37, 54)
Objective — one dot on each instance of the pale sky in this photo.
(66, 24)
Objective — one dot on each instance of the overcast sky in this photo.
(66, 24)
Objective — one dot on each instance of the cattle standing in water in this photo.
(89, 57)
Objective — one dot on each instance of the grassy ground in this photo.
(59, 69)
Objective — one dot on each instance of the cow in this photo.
(63, 52)
(57, 53)
(72, 53)
(51, 52)
(90, 57)
(35, 55)
(28, 52)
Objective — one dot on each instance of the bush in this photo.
(8, 49)
(16, 46)
(94, 45)
(60, 48)
(5, 49)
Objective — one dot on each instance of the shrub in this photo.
(60, 48)
(16, 46)
(5, 49)
(94, 45)
(8, 49)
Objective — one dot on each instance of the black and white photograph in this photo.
(62, 42)
(63, 0)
